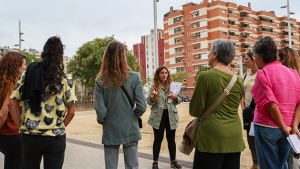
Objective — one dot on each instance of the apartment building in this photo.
(66, 60)
(6, 49)
(145, 53)
(189, 33)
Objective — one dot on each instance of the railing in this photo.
(84, 105)
(178, 21)
(179, 31)
(179, 52)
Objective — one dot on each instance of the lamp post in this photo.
(20, 33)
(155, 32)
(289, 22)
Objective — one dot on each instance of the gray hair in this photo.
(225, 50)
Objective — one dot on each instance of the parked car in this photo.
(185, 98)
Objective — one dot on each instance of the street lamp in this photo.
(155, 32)
(289, 22)
(20, 33)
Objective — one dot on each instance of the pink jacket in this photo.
(279, 84)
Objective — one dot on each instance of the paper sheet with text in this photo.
(295, 143)
(175, 89)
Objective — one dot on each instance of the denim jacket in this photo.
(158, 108)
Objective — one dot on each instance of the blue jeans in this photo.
(272, 147)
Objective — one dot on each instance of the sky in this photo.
(80, 21)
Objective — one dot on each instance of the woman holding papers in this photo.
(276, 93)
(164, 114)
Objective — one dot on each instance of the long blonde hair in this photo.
(292, 58)
(157, 82)
(114, 65)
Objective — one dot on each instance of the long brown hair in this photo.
(157, 82)
(292, 58)
(9, 72)
(114, 65)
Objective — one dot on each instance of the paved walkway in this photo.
(81, 154)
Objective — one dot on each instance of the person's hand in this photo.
(295, 131)
(172, 96)
(287, 130)
(154, 92)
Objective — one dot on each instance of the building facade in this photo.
(189, 33)
(145, 53)
(66, 60)
(6, 49)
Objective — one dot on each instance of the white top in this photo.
(248, 84)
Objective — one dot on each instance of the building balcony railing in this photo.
(245, 19)
(287, 37)
(233, 27)
(246, 29)
(178, 34)
(181, 64)
(267, 33)
(176, 24)
(269, 24)
(199, 50)
(245, 50)
(233, 16)
(246, 40)
(177, 54)
(233, 38)
(199, 61)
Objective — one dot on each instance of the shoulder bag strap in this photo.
(127, 96)
(220, 99)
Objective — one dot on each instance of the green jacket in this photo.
(158, 108)
(114, 112)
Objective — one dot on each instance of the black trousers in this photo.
(51, 148)
(216, 160)
(159, 136)
(11, 147)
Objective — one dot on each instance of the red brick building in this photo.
(145, 53)
(189, 33)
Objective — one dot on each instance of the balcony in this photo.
(199, 61)
(247, 41)
(233, 28)
(176, 24)
(245, 50)
(198, 51)
(287, 37)
(177, 54)
(178, 64)
(246, 29)
(176, 45)
(197, 19)
(246, 19)
(294, 30)
(233, 38)
(198, 29)
(177, 34)
(268, 24)
(197, 40)
(233, 16)
(266, 33)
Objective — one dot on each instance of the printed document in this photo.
(294, 142)
(175, 88)
(251, 132)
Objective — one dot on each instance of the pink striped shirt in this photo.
(279, 84)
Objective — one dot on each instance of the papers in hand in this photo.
(251, 132)
(175, 88)
(294, 142)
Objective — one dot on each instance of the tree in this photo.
(30, 57)
(244, 69)
(178, 77)
(88, 59)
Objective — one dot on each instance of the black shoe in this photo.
(175, 165)
(155, 165)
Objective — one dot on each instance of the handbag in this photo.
(185, 148)
(191, 130)
(132, 105)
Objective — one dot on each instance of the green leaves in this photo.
(178, 77)
(88, 59)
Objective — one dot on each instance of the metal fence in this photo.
(84, 105)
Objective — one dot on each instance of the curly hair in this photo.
(292, 58)
(157, 82)
(114, 65)
(9, 72)
(53, 65)
(265, 48)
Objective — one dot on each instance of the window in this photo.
(153, 67)
(187, 33)
(278, 43)
(147, 47)
(147, 66)
(237, 46)
(184, 80)
(254, 29)
(224, 22)
(147, 53)
(147, 60)
(255, 39)
(151, 39)
(278, 34)
(225, 33)
(223, 11)
(196, 68)
(278, 25)
(255, 19)
(184, 90)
